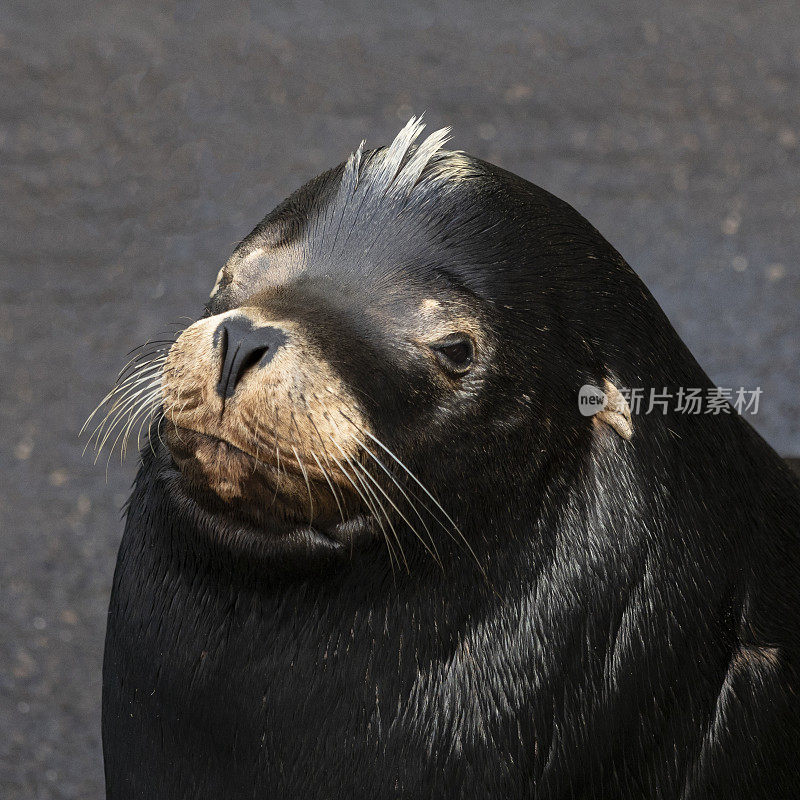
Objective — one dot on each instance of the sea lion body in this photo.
(621, 618)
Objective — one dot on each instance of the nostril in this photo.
(243, 347)
(252, 358)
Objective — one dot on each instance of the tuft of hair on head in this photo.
(396, 168)
(380, 183)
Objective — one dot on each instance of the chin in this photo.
(261, 501)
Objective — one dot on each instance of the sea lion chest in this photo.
(218, 686)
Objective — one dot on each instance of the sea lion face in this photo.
(399, 347)
(281, 400)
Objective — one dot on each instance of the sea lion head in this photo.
(395, 353)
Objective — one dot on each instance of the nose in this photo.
(243, 346)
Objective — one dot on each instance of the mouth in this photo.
(188, 443)
(282, 490)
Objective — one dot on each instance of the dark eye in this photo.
(455, 354)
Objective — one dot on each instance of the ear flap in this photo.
(616, 412)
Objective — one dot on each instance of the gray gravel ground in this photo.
(138, 142)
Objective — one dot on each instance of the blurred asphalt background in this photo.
(139, 142)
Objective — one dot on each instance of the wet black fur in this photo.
(635, 633)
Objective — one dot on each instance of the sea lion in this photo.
(375, 548)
